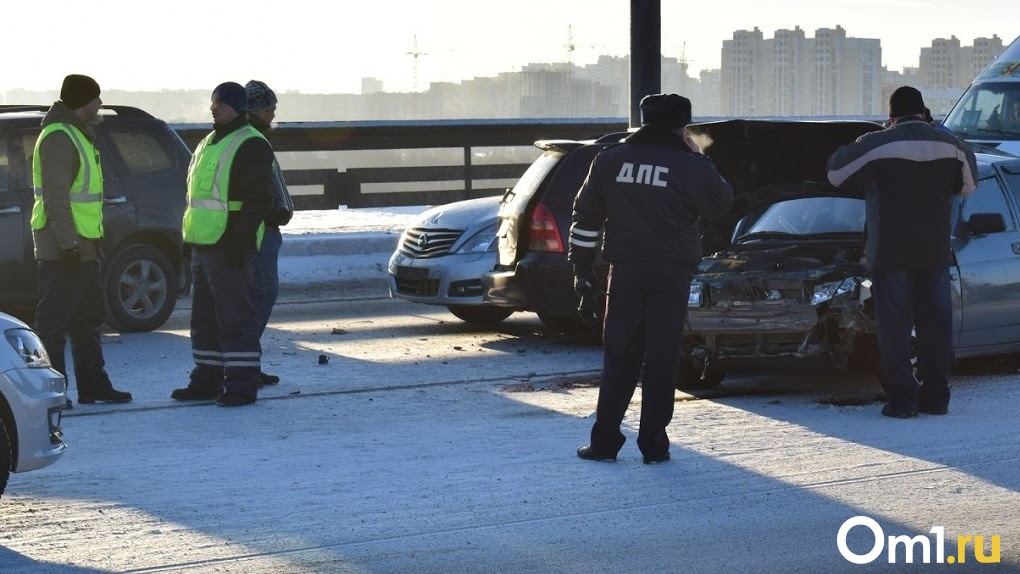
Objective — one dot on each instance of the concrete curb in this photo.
(353, 264)
(339, 244)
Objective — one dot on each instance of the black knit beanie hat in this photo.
(906, 101)
(78, 90)
(232, 94)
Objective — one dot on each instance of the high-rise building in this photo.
(743, 63)
(371, 86)
(791, 75)
(947, 64)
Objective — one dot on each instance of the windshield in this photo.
(804, 217)
(989, 110)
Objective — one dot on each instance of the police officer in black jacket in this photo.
(648, 195)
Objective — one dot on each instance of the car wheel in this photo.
(566, 324)
(479, 314)
(694, 376)
(141, 289)
(864, 356)
(5, 457)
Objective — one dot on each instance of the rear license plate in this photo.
(416, 273)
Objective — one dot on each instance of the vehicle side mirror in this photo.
(984, 223)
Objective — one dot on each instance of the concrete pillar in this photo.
(645, 53)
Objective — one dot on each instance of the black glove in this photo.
(584, 278)
(587, 293)
(71, 256)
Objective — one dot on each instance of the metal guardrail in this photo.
(344, 186)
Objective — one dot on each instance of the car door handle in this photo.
(10, 210)
(115, 200)
(1016, 247)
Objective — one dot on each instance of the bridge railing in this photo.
(346, 186)
(341, 185)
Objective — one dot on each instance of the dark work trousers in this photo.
(267, 275)
(71, 303)
(224, 328)
(918, 300)
(645, 312)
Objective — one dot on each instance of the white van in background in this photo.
(988, 113)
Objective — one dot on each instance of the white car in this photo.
(441, 257)
(31, 402)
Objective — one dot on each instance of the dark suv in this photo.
(145, 167)
(532, 272)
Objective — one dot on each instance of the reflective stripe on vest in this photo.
(86, 191)
(208, 206)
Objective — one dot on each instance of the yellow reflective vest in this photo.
(86, 189)
(209, 205)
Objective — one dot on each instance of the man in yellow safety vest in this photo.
(230, 193)
(67, 228)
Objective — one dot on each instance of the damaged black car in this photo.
(786, 278)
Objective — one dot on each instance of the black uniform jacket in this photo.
(648, 193)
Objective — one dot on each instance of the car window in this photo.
(142, 152)
(567, 180)
(988, 198)
(5, 166)
(987, 109)
(21, 171)
(536, 172)
(1012, 173)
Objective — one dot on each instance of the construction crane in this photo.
(416, 53)
(683, 55)
(571, 46)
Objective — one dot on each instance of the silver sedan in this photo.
(31, 400)
(441, 258)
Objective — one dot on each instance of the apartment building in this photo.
(946, 64)
(793, 75)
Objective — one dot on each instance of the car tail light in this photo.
(545, 234)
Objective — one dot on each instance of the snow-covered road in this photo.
(424, 446)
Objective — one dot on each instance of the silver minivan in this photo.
(31, 402)
(988, 113)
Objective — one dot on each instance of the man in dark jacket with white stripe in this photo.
(262, 103)
(649, 194)
(907, 175)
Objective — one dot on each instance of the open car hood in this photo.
(768, 161)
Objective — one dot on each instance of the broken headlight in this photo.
(828, 291)
(694, 299)
(28, 346)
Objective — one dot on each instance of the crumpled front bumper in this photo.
(778, 328)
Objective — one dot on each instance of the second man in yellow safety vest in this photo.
(230, 193)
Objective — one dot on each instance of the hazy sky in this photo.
(322, 46)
